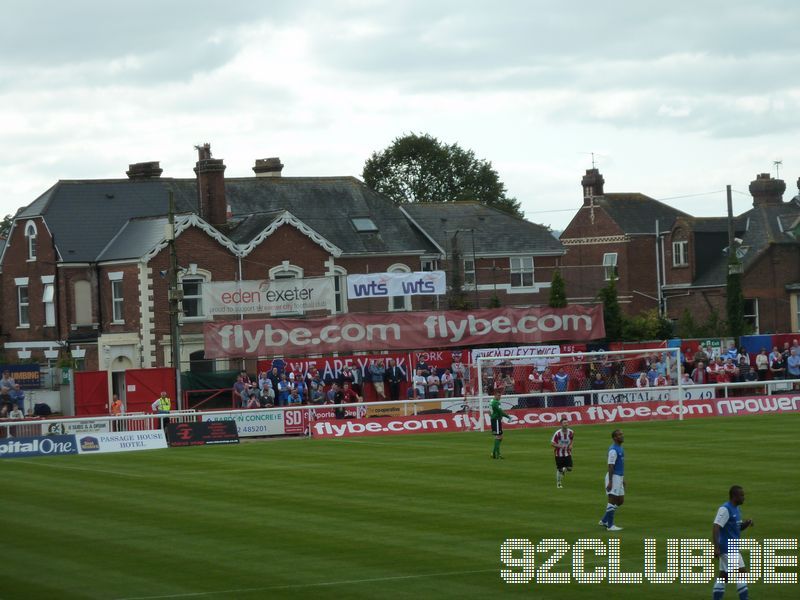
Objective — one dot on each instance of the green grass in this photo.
(391, 517)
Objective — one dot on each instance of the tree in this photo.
(420, 168)
(612, 313)
(5, 226)
(558, 291)
(687, 328)
(456, 296)
(734, 302)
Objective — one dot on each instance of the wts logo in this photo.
(420, 286)
(373, 288)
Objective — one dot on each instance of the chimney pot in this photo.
(592, 184)
(268, 167)
(767, 191)
(144, 170)
(211, 200)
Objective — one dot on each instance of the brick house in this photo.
(768, 244)
(616, 235)
(84, 265)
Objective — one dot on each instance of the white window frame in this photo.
(23, 307)
(30, 237)
(429, 264)
(286, 270)
(117, 301)
(202, 276)
(753, 317)
(395, 301)
(680, 253)
(610, 262)
(518, 269)
(48, 299)
(469, 273)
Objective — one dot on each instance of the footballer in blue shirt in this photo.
(615, 487)
(728, 526)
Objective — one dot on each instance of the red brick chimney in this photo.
(592, 184)
(144, 170)
(767, 191)
(210, 187)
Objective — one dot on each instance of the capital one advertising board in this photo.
(252, 338)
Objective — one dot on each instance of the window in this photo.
(751, 313)
(48, 298)
(83, 302)
(610, 266)
(116, 301)
(469, 271)
(680, 253)
(429, 264)
(521, 271)
(23, 304)
(192, 297)
(30, 236)
(397, 303)
(339, 291)
(364, 225)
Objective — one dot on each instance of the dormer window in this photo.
(30, 237)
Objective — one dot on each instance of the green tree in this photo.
(612, 313)
(456, 296)
(687, 327)
(647, 325)
(420, 168)
(558, 291)
(5, 226)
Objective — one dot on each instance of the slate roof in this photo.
(496, 232)
(636, 213)
(758, 228)
(95, 220)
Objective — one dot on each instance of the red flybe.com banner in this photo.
(401, 331)
(551, 417)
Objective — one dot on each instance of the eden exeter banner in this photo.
(267, 296)
(419, 283)
(401, 330)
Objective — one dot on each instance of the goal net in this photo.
(578, 378)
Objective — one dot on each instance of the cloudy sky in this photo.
(676, 99)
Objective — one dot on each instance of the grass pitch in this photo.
(416, 516)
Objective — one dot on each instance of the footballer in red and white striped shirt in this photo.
(562, 447)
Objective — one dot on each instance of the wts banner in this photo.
(419, 283)
(401, 331)
(267, 296)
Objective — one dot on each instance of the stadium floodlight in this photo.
(540, 376)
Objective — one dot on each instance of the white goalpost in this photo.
(546, 380)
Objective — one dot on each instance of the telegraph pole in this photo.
(175, 296)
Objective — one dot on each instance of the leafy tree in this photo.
(420, 168)
(558, 291)
(612, 313)
(647, 325)
(456, 296)
(494, 301)
(5, 226)
(687, 327)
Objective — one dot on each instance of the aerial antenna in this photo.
(594, 156)
(777, 164)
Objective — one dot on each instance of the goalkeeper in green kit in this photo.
(497, 423)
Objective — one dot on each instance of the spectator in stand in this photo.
(16, 413)
(394, 377)
(336, 397)
(508, 384)
(358, 380)
(420, 383)
(423, 366)
(17, 395)
(786, 351)
(661, 381)
(433, 382)
(412, 393)
(686, 379)
(713, 370)
(459, 371)
(346, 376)
(262, 377)
(598, 383)
(330, 395)
(777, 366)
(793, 365)
(300, 386)
(742, 355)
(377, 373)
(701, 356)
(700, 375)
(762, 364)
(731, 352)
(687, 356)
(350, 395)
(651, 375)
(561, 383)
(267, 393)
(643, 381)
(743, 368)
(294, 397)
(448, 383)
(4, 412)
(730, 368)
(274, 377)
(239, 393)
(7, 381)
(253, 400)
(116, 408)
(282, 391)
